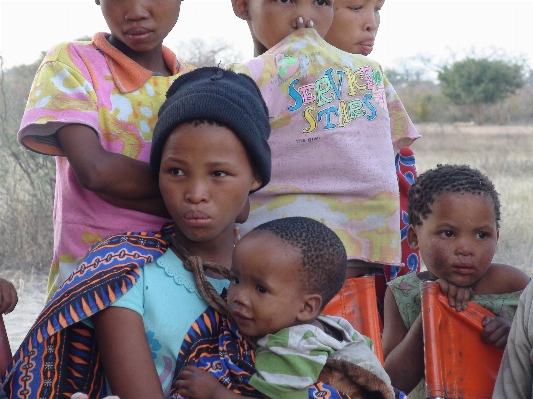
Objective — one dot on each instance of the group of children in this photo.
(303, 138)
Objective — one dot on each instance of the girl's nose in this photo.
(137, 11)
(196, 193)
(464, 247)
(371, 21)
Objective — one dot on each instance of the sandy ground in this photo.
(31, 300)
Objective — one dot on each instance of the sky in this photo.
(434, 28)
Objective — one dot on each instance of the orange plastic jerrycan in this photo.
(457, 363)
(356, 302)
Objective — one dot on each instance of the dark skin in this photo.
(8, 296)
(195, 383)
(400, 344)
(120, 180)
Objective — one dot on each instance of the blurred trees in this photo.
(200, 53)
(476, 82)
(27, 179)
(449, 91)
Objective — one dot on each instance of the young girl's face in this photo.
(139, 26)
(355, 25)
(458, 238)
(273, 20)
(205, 177)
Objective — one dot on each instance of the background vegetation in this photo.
(450, 126)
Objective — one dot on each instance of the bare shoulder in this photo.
(503, 279)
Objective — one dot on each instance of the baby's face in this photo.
(265, 294)
(355, 25)
(271, 21)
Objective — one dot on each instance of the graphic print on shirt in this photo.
(325, 102)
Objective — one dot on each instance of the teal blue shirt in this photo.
(166, 297)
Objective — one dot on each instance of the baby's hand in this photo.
(194, 383)
(8, 296)
(495, 331)
(458, 297)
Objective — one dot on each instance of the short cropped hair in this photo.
(448, 179)
(323, 255)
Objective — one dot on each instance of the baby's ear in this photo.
(311, 308)
(240, 8)
(412, 238)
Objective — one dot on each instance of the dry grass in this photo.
(505, 155)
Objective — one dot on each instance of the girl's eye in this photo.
(322, 2)
(219, 173)
(482, 235)
(284, 1)
(447, 233)
(355, 8)
(176, 172)
(261, 289)
(234, 280)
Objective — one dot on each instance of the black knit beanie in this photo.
(211, 93)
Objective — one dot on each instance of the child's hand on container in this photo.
(458, 297)
(496, 330)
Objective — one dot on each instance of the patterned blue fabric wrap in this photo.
(215, 345)
(59, 355)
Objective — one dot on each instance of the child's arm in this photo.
(403, 350)
(8, 296)
(116, 178)
(194, 383)
(125, 353)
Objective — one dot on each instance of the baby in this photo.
(283, 274)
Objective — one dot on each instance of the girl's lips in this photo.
(138, 33)
(197, 218)
(461, 269)
(367, 46)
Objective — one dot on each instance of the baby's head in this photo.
(454, 215)
(271, 21)
(283, 273)
(355, 25)
(210, 150)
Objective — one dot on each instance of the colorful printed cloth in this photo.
(289, 361)
(336, 126)
(406, 174)
(59, 356)
(215, 345)
(406, 291)
(94, 84)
